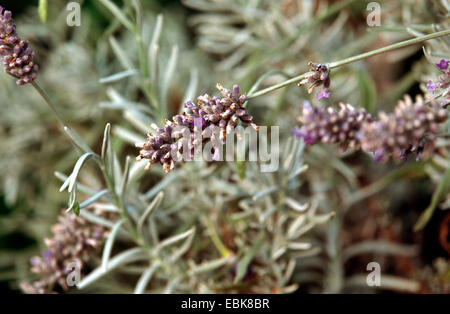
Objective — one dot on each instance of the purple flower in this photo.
(34, 261)
(443, 64)
(324, 93)
(47, 255)
(190, 105)
(431, 86)
(296, 132)
(379, 155)
(301, 133)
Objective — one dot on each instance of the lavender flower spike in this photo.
(177, 139)
(331, 126)
(404, 131)
(17, 56)
(74, 239)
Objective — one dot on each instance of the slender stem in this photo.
(46, 98)
(278, 86)
(336, 64)
(401, 44)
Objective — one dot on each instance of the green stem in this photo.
(336, 64)
(46, 98)
(401, 44)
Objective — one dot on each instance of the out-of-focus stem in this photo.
(215, 238)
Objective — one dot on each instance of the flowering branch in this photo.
(362, 56)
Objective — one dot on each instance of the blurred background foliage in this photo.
(375, 205)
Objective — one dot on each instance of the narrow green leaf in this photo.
(183, 249)
(118, 76)
(94, 198)
(172, 240)
(145, 278)
(73, 201)
(246, 260)
(109, 245)
(210, 265)
(125, 257)
(169, 73)
(118, 13)
(241, 168)
(70, 182)
(89, 216)
(440, 191)
(264, 192)
(150, 209)
(192, 88)
(367, 90)
(139, 13)
(153, 49)
(160, 185)
(86, 190)
(120, 54)
(76, 208)
(43, 10)
(126, 172)
(106, 135)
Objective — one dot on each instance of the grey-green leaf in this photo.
(109, 244)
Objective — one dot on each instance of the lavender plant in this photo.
(235, 229)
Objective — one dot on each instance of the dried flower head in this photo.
(404, 131)
(331, 126)
(176, 140)
(74, 239)
(17, 56)
(319, 76)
